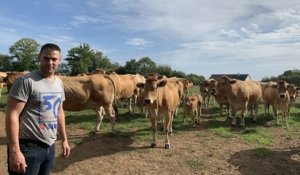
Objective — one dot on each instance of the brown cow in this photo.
(293, 93)
(162, 98)
(241, 95)
(90, 92)
(220, 98)
(126, 88)
(277, 95)
(204, 91)
(193, 104)
(12, 77)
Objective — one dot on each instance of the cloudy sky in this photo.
(256, 37)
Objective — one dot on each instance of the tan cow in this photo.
(193, 104)
(90, 92)
(12, 77)
(241, 95)
(220, 98)
(126, 88)
(293, 93)
(277, 95)
(266, 97)
(204, 91)
(162, 98)
(3, 76)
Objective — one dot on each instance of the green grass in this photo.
(196, 164)
(262, 152)
(259, 136)
(223, 132)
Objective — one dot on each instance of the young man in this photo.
(35, 115)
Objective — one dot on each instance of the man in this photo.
(35, 115)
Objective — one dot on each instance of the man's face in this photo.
(49, 61)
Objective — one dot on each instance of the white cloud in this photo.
(79, 20)
(140, 42)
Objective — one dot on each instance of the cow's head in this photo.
(191, 102)
(282, 89)
(153, 82)
(213, 87)
(204, 85)
(293, 91)
(224, 83)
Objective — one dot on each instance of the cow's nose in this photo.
(282, 96)
(292, 97)
(147, 101)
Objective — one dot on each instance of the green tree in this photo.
(146, 65)
(5, 64)
(24, 54)
(196, 79)
(130, 67)
(164, 70)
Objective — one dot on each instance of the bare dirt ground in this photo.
(194, 151)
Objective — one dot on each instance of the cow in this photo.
(126, 88)
(3, 76)
(95, 92)
(276, 94)
(241, 95)
(161, 98)
(204, 91)
(12, 77)
(220, 98)
(293, 93)
(193, 104)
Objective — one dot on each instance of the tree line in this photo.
(84, 59)
(290, 76)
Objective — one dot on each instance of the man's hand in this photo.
(17, 162)
(65, 149)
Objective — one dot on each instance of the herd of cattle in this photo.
(159, 97)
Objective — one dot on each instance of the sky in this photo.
(256, 37)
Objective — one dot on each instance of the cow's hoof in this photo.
(170, 133)
(153, 145)
(167, 146)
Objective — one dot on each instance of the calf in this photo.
(193, 104)
(204, 91)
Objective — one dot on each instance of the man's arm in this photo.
(62, 132)
(17, 161)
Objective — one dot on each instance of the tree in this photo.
(196, 79)
(5, 63)
(146, 65)
(164, 70)
(24, 54)
(131, 67)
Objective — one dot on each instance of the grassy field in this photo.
(214, 147)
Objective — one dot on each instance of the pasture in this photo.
(213, 147)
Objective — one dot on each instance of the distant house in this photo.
(242, 77)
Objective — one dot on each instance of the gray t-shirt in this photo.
(38, 120)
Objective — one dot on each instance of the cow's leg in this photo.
(199, 115)
(233, 122)
(154, 129)
(221, 109)
(100, 115)
(168, 120)
(275, 116)
(194, 118)
(285, 115)
(129, 105)
(255, 113)
(112, 115)
(171, 125)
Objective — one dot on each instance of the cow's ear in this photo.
(232, 81)
(162, 83)
(140, 85)
(298, 88)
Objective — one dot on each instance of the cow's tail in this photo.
(115, 94)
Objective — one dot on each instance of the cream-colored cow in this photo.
(193, 104)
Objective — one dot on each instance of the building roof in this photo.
(232, 76)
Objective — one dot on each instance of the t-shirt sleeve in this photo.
(21, 89)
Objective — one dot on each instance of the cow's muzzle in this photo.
(282, 96)
(147, 101)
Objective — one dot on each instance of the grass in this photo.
(262, 152)
(258, 136)
(196, 164)
(223, 132)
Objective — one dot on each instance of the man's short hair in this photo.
(50, 46)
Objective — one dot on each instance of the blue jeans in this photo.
(40, 157)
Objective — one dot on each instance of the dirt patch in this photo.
(194, 151)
